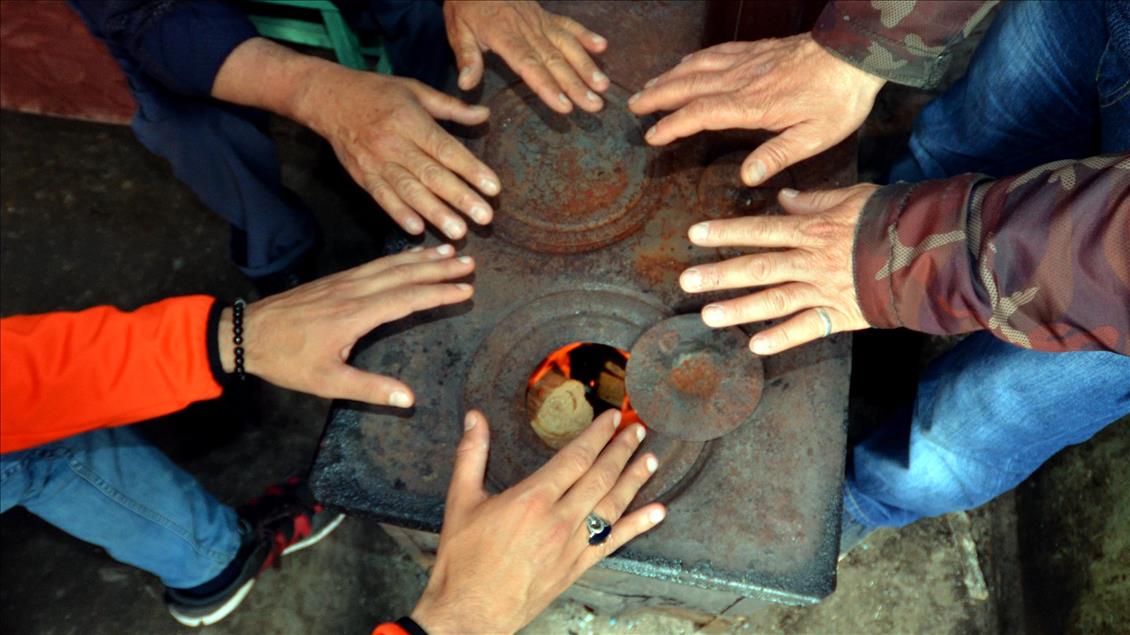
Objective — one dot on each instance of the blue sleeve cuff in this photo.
(184, 48)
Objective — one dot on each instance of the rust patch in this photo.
(657, 269)
(696, 375)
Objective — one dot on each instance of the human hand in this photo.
(502, 559)
(791, 86)
(549, 52)
(809, 274)
(301, 339)
(383, 131)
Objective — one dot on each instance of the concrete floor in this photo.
(89, 217)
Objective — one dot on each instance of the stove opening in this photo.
(572, 385)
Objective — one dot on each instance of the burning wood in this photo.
(573, 383)
(610, 384)
(560, 408)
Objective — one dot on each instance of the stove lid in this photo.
(691, 381)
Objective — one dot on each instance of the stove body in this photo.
(587, 245)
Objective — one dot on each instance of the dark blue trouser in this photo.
(1050, 81)
(226, 155)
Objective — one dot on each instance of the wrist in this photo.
(872, 83)
(224, 341)
(434, 615)
(232, 344)
(266, 75)
(313, 80)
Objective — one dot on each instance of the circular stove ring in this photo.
(500, 369)
(572, 183)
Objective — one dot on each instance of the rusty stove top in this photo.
(587, 245)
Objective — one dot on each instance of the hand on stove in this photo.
(549, 52)
(502, 559)
(809, 270)
(384, 132)
(301, 339)
(791, 86)
(382, 129)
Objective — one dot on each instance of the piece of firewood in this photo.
(610, 384)
(559, 408)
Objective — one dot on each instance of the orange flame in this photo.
(558, 360)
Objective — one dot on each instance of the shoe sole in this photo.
(235, 600)
(313, 538)
(225, 609)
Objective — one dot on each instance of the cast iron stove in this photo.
(587, 244)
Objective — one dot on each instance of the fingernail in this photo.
(692, 279)
(789, 192)
(469, 422)
(453, 229)
(657, 515)
(599, 77)
(562, 98)
(464, 74)
(616, 419)
(591, 96)
(413, 226)
(400, 399)
(652, 464)
(650, 132)
(598, 40)
(463, 286)
(465, 260)
(759, 345)
(415, 250)
(480, 214)
(640, 433)
(758, 172)
(651, 82)
(634, 98)
(713, 314)
(489, 186)
(699, 232)
(445, 250)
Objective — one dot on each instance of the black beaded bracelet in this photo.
(410, 625)
(237, 336)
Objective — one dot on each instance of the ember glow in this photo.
(562, 361)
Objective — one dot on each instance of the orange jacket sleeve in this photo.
(66, 373)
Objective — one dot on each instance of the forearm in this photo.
(67, 373)
(262, 74)
(904, 42)
(1039, 259)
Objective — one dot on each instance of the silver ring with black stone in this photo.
(598, 528)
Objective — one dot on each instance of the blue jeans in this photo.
(113, 489)
(1051, 80)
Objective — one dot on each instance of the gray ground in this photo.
(89, 217)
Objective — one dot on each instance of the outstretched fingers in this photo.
(466, 490)
(572, 462)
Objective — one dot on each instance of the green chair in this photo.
(326, 29)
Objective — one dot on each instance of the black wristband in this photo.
(410, 625)
(237, 336)
(214, 337)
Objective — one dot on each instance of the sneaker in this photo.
(283, 520)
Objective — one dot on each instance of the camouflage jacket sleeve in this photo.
(905, 41)
(1041, 259)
